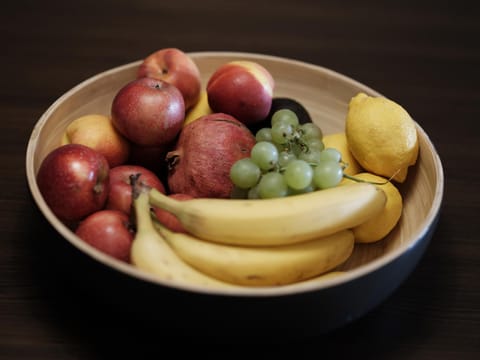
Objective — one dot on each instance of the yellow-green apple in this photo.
(206, 149)
(97, 131)
(168, 219)
(243, 89)
(109, 231)
(73, 180)
(148, 112)
(120, 185)
(177, 68)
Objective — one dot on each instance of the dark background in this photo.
(424, 55)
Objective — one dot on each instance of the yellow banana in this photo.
(152, 254)
(262, 266)
(200, 109)
(278, 221)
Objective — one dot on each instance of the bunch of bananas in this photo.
(267, 242)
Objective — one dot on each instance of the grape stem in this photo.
(296, 139)
(350, 177)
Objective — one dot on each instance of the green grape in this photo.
(298, 174)
(311, 131)
(327, 174)
(305, 190)
(282, 133)
(330, 154)
(265, 155)
(312, 156)
(264, 134)
(315, 144)
(244, 173)
(284, 157)
(272, 185)
(284, 116)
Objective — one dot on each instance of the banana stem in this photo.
(141, 206)
(154, 197)
(159, 200)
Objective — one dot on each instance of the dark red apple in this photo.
(109, 231)
(73, 180)
(177, 68)
(168, 219)
(243, 89)
(120, 186)
(206, 150)
(148, 112)
(150, 157)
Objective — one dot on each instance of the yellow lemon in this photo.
(382, 136)
(199, 109)
(380, 225)
(339, 141)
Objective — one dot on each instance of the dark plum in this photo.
(279, 103)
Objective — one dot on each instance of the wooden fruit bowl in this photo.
(371, 274)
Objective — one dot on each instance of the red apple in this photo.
(150, 157)
(120, 194)
(97, 131)
(73, 180)
(109, 231)
(148, 112)
(243, 89)
(177, 68)
(168, 219)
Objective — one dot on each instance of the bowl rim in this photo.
(419, 235)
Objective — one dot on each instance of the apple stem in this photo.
(98, 188)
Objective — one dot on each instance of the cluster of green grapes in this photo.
(288, 158)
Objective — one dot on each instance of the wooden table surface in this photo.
(425, 56)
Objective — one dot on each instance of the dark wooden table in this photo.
(425, 56)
